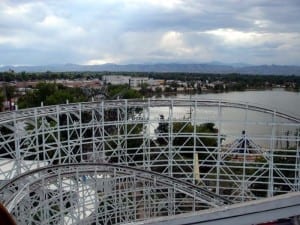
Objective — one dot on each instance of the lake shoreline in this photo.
(277, 98)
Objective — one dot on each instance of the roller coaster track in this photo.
(34, 177)
(253, 212)
(57, 162)
(48, 110)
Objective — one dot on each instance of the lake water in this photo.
(232, 122)
(279, 99)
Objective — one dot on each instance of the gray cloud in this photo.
(144, 31)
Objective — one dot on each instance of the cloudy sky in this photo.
(40, 32)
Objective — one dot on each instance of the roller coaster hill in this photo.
(149, 161)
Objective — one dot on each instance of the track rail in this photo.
(253, 212)
(43, 174)
(48, 110)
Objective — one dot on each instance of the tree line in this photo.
(244, 80)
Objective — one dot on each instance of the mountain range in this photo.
(166, 67)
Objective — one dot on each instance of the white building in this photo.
(138, 81)
(133, 82)
(114, 79)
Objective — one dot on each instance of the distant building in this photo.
(95, 83)
(131, 81)
(138, 81)
(114, 79)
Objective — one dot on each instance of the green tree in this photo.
(122, 91)
(9, 92)
(188, 142)
(61, 96)
(51, 94)
(1, 100)
(130, 94)
(145, 90)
